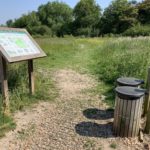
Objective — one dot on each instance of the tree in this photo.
(27, 21)
(87, 15)
(118, 17)
(9, 23)
(30, 19)
(144, 12)
(57, 16)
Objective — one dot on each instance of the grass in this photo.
(69, 53)
(19, 91)
(6, 124)
(122, 57)
(113, 145)
(89, 145)
(119, 57)
(105, 58)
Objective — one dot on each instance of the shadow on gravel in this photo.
(93, 113)
(91, 129)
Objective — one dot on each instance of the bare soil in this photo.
(76, 120)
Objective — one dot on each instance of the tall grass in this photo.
(122, 57)
(119, 57)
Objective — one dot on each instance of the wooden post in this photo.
(147, 127)
(31, 76)
(147, 97)
(4, 85)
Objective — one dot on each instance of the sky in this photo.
(11, 9)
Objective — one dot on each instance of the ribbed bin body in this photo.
(127, 115)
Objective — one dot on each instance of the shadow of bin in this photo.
(128, 110)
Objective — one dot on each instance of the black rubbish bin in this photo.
(129, 81)
(128, 110)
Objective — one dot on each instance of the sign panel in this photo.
(18, 45)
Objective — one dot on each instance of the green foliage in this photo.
(9, 23)
(138, 30)
(58, 19)
(113, 145)
(87, 15)
(52, 19)
(84, 32)
(118, 17)
(27, 21)
(41, 30)
(57, 16)
(144, 12)
(6, 124)
(122, 57)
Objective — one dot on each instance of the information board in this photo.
(18, 45)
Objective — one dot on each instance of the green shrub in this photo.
(139, 30)
(113, 145)
(17, 75)
(84, 31)
(41, 30)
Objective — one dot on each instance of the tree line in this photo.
(121, 17)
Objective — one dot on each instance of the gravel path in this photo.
(77, 120)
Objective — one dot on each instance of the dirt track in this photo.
(77, 120)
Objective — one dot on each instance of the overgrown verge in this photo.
(119, 57)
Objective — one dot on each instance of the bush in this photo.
(84, 31)
(41, 30)
(139, 30)
(87, 32)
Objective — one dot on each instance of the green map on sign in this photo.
(20, 43)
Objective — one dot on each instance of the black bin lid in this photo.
(129, 81)
(129, 93)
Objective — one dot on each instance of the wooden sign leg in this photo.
(31, 76)
(4, 85)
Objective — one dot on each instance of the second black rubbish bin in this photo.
(128, 109)
(129, 81)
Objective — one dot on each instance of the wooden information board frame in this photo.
(5, 58)
(20, 58)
